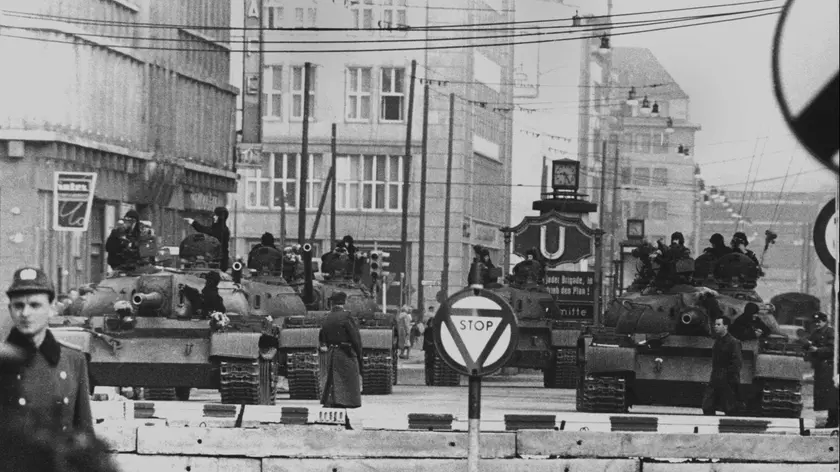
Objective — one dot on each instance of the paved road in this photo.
(521, 393)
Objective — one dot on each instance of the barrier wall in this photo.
(304, 448)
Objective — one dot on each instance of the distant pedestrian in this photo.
(821, 354)
(341, 343)
(404, 331)
(40, 377)
(722, 390)
(218, 230)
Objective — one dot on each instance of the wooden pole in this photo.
(421, 302)
(406, 179)
(335, 184)
(304, 157)
(444, 279)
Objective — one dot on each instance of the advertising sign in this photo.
(73, 200)
(576, 311)
(570, 286)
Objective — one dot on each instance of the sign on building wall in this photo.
(73, 200)
(574, 293)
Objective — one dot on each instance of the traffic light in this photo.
(378, 264)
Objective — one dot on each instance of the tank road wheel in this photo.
(777, 398)
(159, 393)
(182, 393)
(602, 394)
(302, 371)
(377, 374)
(561, 371)
(443, 375)
(248, 381)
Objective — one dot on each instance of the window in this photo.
(660, 144)
(660, 177)
(369, 183)
(643, 142)
(299, 17)
(272, 99)
(641, 176)
(297, 92)
(659, 210)
(393, 94)
(363, 14)
(311, 17)
(276, 182)
(273, 17)
(393, 14)
(625, 175)
(640, 210)
(358, 93)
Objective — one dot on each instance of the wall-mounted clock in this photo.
(565, 174)
(635, 229)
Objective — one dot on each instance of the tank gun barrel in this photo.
(306, 255)
(691, 318)
(236, 272)
(152, 300)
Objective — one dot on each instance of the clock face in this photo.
(565, 175)
(635, 228)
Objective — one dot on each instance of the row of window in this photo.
(363, 182)
(359, 93)
(384, 14)
(653, 142)
(645, 210)
(642, 176)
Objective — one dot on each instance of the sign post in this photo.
(475, 334)
(73, 200)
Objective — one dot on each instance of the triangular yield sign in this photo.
(475, 330)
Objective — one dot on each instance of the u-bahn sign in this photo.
(475, 333)
(825, 235)
(559, 238)
(806, 74)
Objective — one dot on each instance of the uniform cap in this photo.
(338, 298)
(31, 280)
(820, 316)
(132, 214)
(739, 236)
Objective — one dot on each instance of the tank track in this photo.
(443, 375)
(779, 399)
(562, 373)
(602, 394)
(241, 382)
(395, 361)
(302, 370)
(378, 371)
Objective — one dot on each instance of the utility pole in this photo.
(406, 179)
(304, 157)
(615, 215)
(421, 302)
(444, 279)
(602, 201)
(335, 184)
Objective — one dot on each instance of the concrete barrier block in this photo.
(109, 410)
(141, 463)
(449, 465)
(306, 441)
(740, 467)
(120, 437)
(742, 447)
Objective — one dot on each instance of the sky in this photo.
(726, 71)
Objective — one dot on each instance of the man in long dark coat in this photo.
(821, 355)
(722, 390)
(341, 343)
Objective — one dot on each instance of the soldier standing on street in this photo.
(821, 354)
(45, 379)
(218, 230)
(341, 343)
(722, 391)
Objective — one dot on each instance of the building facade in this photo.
(646, 177)
(149, 109)
(360, 81)
(790, 264)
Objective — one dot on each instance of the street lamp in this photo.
(576, 19)
(655, 111)
(669, 125)
(605, 44)
(645, 109)
(631, 97)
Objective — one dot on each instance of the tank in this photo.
(795, 308)
(656, 343)
(299, 334)
(146, 326)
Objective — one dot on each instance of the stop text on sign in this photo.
(469, 324)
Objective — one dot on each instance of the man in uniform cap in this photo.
(341, 342)
(40, 376)
(821, 354)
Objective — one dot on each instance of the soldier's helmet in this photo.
(29, 280)
(532, 252)
(740, 237)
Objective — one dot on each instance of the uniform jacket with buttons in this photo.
(51, 383)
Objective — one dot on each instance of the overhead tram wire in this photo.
(469, 39)
(781, 192)
(409, 28)
(752, 189)
(749, 173)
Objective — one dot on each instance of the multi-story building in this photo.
(647, 177)
(790, 264)
(363, 88)
(89, 86)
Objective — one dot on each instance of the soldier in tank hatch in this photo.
(341, 342)
(43, 377)
(267, 241)
(820, 351)
(218, 230)
(211, 300)
(739, 245)
(122, 243)
(718, 246)
(530, 270)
